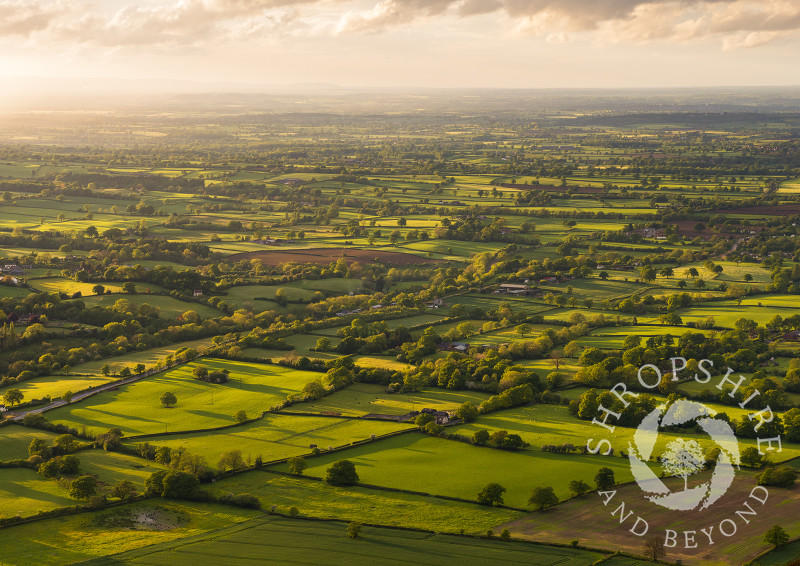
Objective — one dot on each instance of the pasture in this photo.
(89, 374)
(136, 409)
(275, 436)
(15, 439)
(415, 462)
(357, 503)
(170, 308)
(552, 424)
(23, 492)
(112, 467)
(360, 399)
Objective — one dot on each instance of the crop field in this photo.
(136, 409)
(414, 462)
(563, 523)
(276, 436)
(75, 538)
(361, 399)
(281, 539)
(329, 255)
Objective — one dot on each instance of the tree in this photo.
(481, 437)
(129, 287)
(13, 396)
(654, 548)
(67, 396)
(123, 489)
(168, 399)
(750, 457)
(99, 289)
(179, 485)
(776, 536)
(297, 465)
(605, 479)
(647, 273)
(542, 498)
(603, 275)
(231, 460)
(523, 329)
(83, 487)
(353, 529)
(423, 419)
(491, 495)
(323, 344)
(38, 447)
(280, 297)
(467, 412)
(110, 440)
(342, 473)
(579, 487)
(50, 469)
(683, 458)
(241, 416)
(66, 443)
(200, 372)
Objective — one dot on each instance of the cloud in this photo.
(735, 23)
(744, 23)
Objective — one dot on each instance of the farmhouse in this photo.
(453, 346)
(512, 289)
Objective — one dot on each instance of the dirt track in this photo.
(328, 255)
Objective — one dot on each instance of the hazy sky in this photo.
(463, 43)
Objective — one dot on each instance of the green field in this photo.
(136, 409)
(318, 499)
(361, 399)
(277, 436)
(551, 424)
(294, 541)
(112, 467)
(15, 439)
(23, 492)
(170, 307)
(415, 462)
(88, 374)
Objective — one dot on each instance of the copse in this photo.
(342, 473)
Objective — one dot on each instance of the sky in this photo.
(405, 43)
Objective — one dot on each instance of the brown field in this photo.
(772, 210)
(687, 228)
(328, 255)
(589, 521)
(554, 189)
